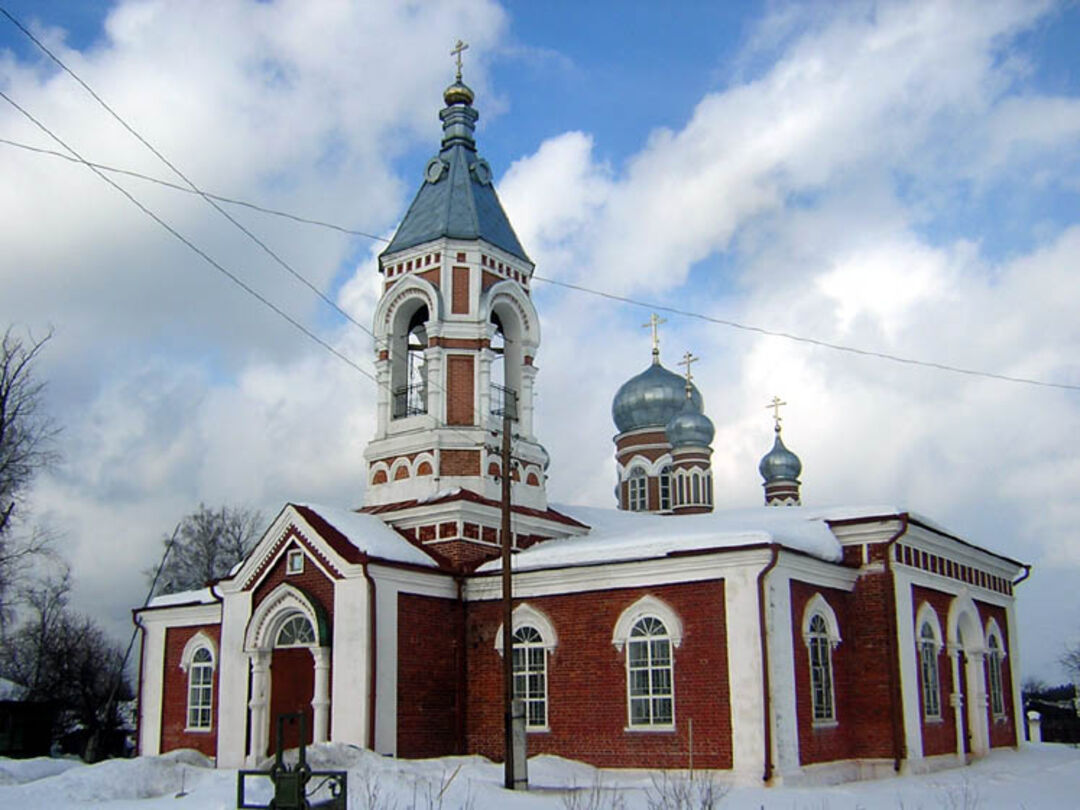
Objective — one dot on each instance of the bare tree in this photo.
(1070, 659)
(26, 447)
(205, 545)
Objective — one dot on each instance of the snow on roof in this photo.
(617, 535)
(9, 690)
(370, 535)
(202, 596)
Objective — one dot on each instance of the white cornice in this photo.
(181, 615)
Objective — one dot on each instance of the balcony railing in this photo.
(504, 400)
(410, 400)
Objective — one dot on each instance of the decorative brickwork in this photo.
(587, 697)
(431, 276)
(430, 691)
(311, 580)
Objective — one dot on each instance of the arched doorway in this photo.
(287, 642)
(966, 653)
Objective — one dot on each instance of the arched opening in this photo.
(408, 374)
(506, 348)
(967, 646)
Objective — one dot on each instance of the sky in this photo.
(902, 178)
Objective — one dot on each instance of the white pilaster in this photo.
(744, 673)
(909, 665)
(320, 701)
(259, 705)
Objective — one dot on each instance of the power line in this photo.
(266, 248)
(177, 187)
(212, 200)
(811, 341)
(191, 245)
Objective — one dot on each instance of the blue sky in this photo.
(900, 177)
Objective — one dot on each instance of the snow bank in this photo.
(20, 771)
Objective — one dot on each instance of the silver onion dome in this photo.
(651, 399)
(690, 427)
(780, 464)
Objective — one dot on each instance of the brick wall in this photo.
(938, 736)
(1002, 729)
(459, 300)
(587, 695)
(459, 391)
(175, 693)
(832, 741)
(430, 666)
(311, 580)
(459, 462)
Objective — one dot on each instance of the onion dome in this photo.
(780, 464)
(690, 427)
(458, 93)
(651, 399)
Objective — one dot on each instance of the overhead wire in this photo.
(213, 199)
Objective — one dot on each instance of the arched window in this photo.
(696, 479)
(637, 491)
(200, 701)
(708, 488)
(993, 663)
(530, 675)
(665, 488)
(408, 372)
(649, 674)
(928, 665)
(296, 632)
(821, 676)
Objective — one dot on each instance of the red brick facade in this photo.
(587, 693)
(1002, 730)
(459, 391)
(431, 662)
(175, 693)
(938, 735)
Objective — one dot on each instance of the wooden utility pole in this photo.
(507, 599)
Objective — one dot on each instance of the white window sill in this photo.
(198, 730)
(537, 729)
(934, 721)
(826, 724)
(650, 729)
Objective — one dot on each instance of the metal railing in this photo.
(504, 401)
(410, 400)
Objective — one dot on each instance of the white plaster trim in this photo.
(526, 615)
(198, 640)
(818, 605)
(963, 605)
(992, 629)
(647, 605)
(927, 615)
(278, 606)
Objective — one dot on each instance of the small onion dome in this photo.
(690, 427)
(780, 464)
(651, 399)
(458, 93)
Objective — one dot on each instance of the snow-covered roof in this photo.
(370, 535)
(9, 690)
(202, 596)
(618, 535)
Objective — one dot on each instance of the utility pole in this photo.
(507, 599)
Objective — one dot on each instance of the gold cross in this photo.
(655, 321)
(457, 51)
(687, 360)
(775, 404)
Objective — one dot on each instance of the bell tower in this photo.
(456, 340)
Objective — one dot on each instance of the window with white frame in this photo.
(295, 562)
(530, 675)
(200, 690)
(636, 490)
(928, 666)
(993, 662)
(649, 675)
(296, 632)
(665, 488)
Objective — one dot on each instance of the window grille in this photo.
(665, 489)
(530, 675)
(997, 695)
(928, 660)
(637, 491)
(649, 674)
(200, 689)
(296, 632)
(821, 676)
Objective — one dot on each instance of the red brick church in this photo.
(780, 642)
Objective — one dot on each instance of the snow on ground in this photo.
(1037, 777)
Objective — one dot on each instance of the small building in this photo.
(779, 642)
(25, 725)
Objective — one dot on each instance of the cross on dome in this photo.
(688, 360)
(456, 51)
(654, 322)
(776, 403)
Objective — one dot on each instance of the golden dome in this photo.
(458, 93)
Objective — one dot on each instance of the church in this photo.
(776, 643)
